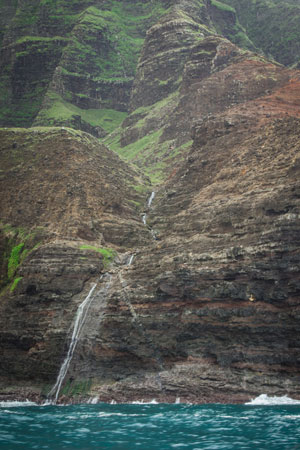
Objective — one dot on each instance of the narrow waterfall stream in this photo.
(151, 198)
(134, 314)
(82, 313)
(144, 216)
(130, 260)
(79, 322)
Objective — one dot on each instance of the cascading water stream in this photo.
(144, 216)
(81, 315)
(130, 260)
(79, 322)
(150, 200)
(137, 321)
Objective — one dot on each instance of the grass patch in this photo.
(61, 110)
(108, 254)
(15, 284)
(18, 244)
(141, 188)
(14, 260)
(141, 146)
(222, 6)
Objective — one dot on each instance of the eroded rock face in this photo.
(68, 183)
(209, 308)
(209, 312)
(36, 319)
(217, 76)
(214, 303)
(65, 198)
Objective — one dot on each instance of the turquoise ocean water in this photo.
(150, 426)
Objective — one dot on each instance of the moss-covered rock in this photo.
(75, 52)
(273, 26)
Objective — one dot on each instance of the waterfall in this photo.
(79, 322)
(144, 216)
(130, 260)
(81, 316)
(150, 200)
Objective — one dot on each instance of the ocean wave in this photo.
(16, 404)
(264, 399)
(142, 402)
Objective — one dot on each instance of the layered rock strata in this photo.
(209, 308)
(67, 206)
(215, 303)
(210, 312)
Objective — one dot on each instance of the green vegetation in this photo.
(108, 253)
(222, 6)
(75, 388)
(14, 260)
(141, 188)
(23, 102)
(17, 244)
(15, 283)
(96, 47)
(140, 146)
(232, 31)
(149, 151)
(62, 111)
(272, 26)
(96, 44)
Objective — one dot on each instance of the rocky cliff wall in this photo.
(68, 205)
(208, 309)
(214, 303)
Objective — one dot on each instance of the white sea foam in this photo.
(17, 404)
(264, 399)
(223, 416)
(142, 402)
(93, 400)
(111, 414)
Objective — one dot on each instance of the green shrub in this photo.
(15, 284)
(107, 253)
(14, 260)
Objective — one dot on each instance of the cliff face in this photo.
(74, 63)
(210, 312)
(65, 202)
(209, 308)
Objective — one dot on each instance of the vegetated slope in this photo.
(73, 63)
(156, 136)
(273, 26)
(81, 54)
